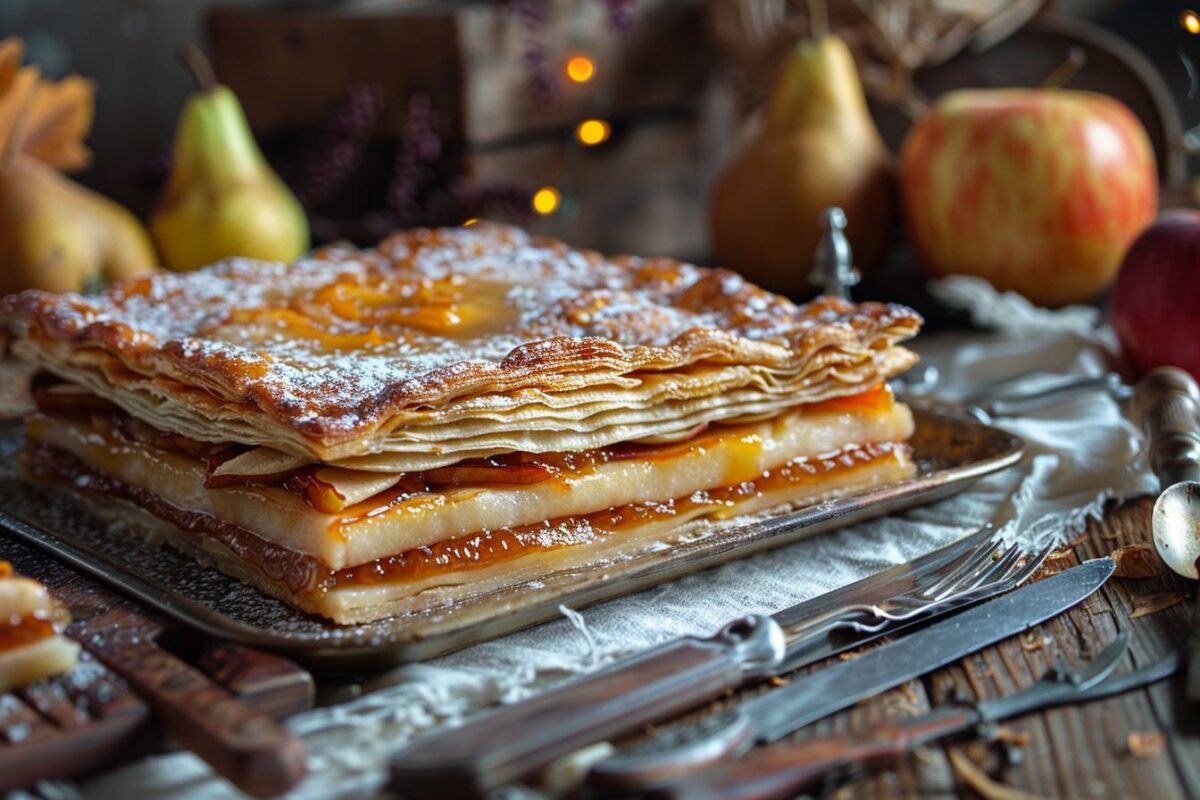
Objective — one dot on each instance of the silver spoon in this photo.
(1166, 404)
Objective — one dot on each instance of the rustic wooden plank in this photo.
(1156, 633)
(291, 68)
(49, 698)
(19, 723)
(1075, 751)
(1082, 751)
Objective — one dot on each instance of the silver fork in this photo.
(985, 570)
(970, 581)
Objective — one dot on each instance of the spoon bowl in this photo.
(1176, 524)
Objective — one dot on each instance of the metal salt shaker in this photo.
(833, 265)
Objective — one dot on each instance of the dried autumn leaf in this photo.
(55, 116)
(11, 51)
(1145, 744)
(1152, 603)
(1135, 561)
(20, 91)
(60, 116)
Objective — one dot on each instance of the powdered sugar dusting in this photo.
(334, 344)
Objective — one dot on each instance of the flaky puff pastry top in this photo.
(440, 343)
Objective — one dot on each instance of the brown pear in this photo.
(58, 236)
(817, 147)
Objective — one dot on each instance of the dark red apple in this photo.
(1156, 299)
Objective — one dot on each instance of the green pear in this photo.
(222, 199)
(817, 147)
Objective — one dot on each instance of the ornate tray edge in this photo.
(366, 644)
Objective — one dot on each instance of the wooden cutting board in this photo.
(141, 683)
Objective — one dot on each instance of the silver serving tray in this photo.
(951, 450)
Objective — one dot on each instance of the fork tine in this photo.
(984, 568)
(961, 577)
(963, 572)
(1001, 565)
(1016, 571)
(1033, 564)
(985, 578)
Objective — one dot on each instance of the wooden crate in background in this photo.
(645, 190)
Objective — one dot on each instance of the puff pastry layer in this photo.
(455, 343)
(371, 432)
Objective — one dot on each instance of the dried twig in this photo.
(977, 779)
(890, 38)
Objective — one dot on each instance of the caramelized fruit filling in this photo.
(346, 315)
(485, 548)
(511, 469)
(294, 570)
(302, 573)
(24, 630)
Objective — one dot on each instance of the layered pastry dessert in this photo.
(32, 646)
(372, 432)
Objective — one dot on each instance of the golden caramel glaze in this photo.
(334, 346)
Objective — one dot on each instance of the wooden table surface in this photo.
(1139, 745)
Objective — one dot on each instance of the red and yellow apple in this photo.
(1156, 299)
(1038, 191)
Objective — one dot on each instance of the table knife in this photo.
(660, 683)
(781, 771)
(241, 743)
(780, 712)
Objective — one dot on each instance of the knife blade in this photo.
(782, 771)
(816, 696)
(780, 712)
(657, 684)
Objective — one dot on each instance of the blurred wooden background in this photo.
(662, 87)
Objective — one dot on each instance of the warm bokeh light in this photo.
(546, 200)
(592, 131)
(469, 222)
(1190, 21)
(580, 69)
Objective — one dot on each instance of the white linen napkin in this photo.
(1080, 453)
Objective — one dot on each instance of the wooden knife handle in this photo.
(783, 770)
(1166, 403)
(245, 746)
(267, 682)
(519, 739)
